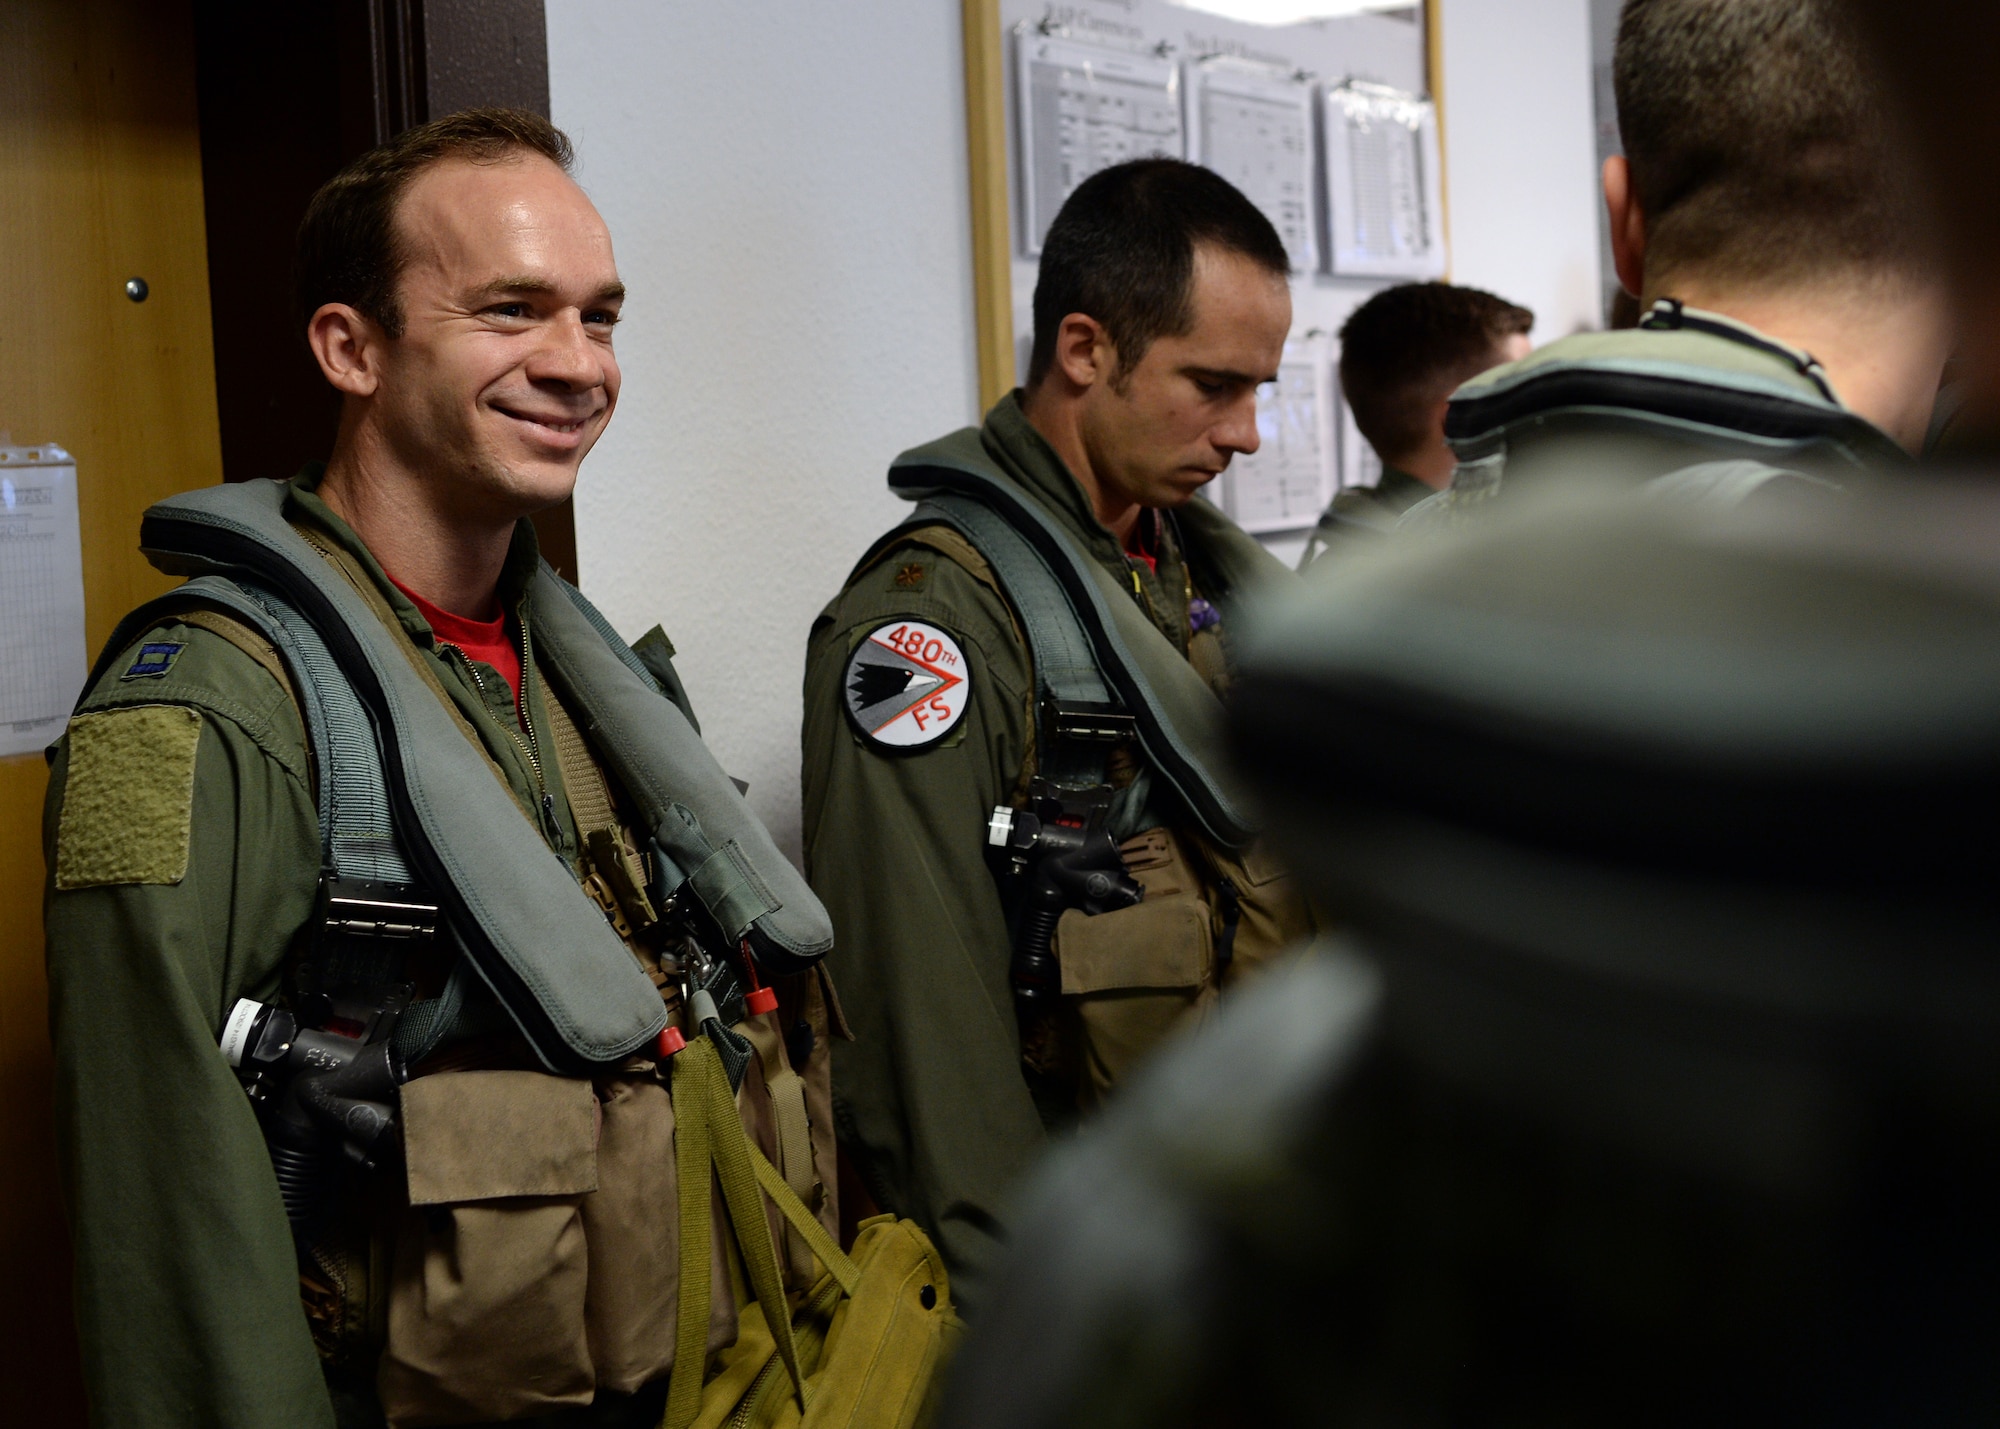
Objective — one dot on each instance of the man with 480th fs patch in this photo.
(1014, 806)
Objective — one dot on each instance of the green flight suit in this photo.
(187, 1284)
(930, 1097)
(1361, 512)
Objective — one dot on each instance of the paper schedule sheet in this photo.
(1286, 483)
(1085, 108)
(43, 658)
(1383, 196)
(1253, 126)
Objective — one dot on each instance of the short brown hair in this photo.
(1405, 350)
(1122, 248)
(349, 251)
(1757, 141)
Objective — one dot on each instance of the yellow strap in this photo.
(691, 1162)
(708, 1130)
(735, 1159)
(838, 1263)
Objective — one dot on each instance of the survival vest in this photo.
(406, 798)
(529, 1270)
(1688, 389)
(1209, 902)
(1102, 671)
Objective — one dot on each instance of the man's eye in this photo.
(509, 310)
(1209, 387)
(602, 319)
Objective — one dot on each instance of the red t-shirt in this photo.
(482, 640)
(1143, 542)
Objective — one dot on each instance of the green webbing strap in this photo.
(838, 1263)
(730, 1147)
(1066, 668)
(708, 1131)
(691, 1161)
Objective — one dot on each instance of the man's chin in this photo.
(542, 488)
(517, 487)
(1173, 495)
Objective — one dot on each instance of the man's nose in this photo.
(1237, 432)
(567, 355)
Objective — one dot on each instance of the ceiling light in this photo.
(1291, 12)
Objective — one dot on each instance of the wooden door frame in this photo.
(274, 127)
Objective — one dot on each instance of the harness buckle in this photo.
(1091, 722)
(357, 908)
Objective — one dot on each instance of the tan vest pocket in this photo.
(490, 1276)
(1129, 977)
(1273, 916)
(633, 1234)
(1161, 943)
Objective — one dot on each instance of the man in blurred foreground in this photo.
(1657, 1080)
(1793, 333)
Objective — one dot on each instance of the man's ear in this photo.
(1084, 351)
(1628, 225)
(349, 347)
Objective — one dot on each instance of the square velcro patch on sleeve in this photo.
(128, 798)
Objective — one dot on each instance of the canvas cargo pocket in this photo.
(1129, 976)
(487, 1291)
(633, 1235)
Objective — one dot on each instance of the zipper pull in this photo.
(550, 828)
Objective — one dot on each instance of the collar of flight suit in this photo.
(523, 555)
(1224, 562)
(1721, 380)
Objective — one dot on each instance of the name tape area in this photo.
(907, 685)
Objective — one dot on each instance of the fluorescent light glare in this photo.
(1291, 12)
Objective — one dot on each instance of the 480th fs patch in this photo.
(907, 685)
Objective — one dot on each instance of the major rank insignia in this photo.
(907, 685)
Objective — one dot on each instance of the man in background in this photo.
(1794, 329)
(1402, 354)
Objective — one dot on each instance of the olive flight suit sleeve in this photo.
(173, 891)
(929, 1097)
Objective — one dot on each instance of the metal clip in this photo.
(1102, 723)
(378, 910)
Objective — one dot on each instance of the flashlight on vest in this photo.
(1059, 856)
(319, 1093)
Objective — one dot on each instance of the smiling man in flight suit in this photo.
(1014, 807)
(379, 789)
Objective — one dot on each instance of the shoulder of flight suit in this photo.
(217, 673)
(187, 1300)
(935, 575)
(929, 1098)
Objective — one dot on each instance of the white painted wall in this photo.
(786, 189)
(1521, 156)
